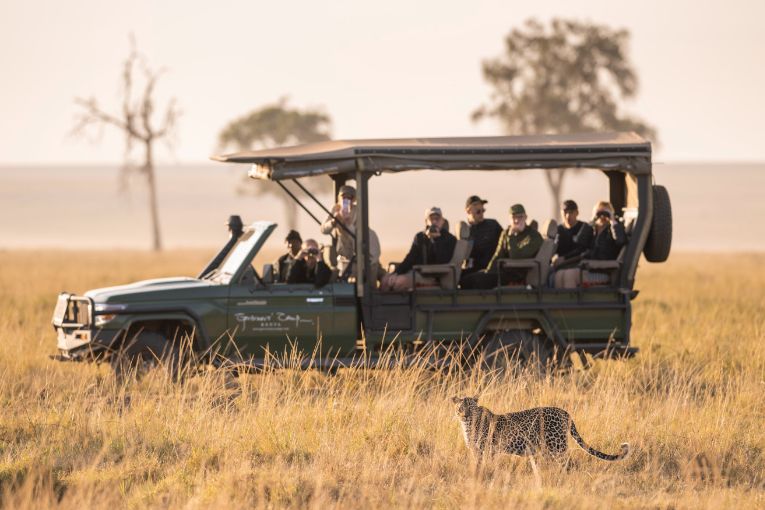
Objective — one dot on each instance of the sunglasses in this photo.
(604, 214)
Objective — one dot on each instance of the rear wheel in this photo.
(517, 349)
(144, 352)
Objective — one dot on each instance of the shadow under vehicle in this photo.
(350, 321)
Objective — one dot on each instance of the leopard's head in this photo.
(465, 406)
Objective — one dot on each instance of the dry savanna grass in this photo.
(690, 404)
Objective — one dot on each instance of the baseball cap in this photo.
(517, 209)
(473, 199)
(432, 210)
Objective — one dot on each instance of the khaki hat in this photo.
(517, 209)
(432, 210)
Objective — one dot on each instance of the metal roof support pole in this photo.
(362, 231)
(338, 181)
(639, 231)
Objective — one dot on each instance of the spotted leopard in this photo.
(538, 430)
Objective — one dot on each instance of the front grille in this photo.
(72, 311)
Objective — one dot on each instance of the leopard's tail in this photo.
(595, 453)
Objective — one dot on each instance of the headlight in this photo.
(103, 319)
(109, 308)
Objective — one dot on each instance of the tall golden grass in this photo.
(691, 404)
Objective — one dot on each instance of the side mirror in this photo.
(268, 274)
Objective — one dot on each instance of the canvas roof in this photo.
(626, 151)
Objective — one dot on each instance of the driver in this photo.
(309, 266)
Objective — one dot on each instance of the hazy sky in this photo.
(382, 69)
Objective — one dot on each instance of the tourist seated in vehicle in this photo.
(294, 242)
(518, 241)
(309, 267)
(484, 234)
(568, 252)
(602, 239)
(433, 245)
(341, 225)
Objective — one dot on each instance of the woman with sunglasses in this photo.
(604, 238)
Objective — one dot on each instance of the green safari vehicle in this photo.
(233, 313)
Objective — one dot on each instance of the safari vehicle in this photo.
(351, 319)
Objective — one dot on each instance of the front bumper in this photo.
(76, 337)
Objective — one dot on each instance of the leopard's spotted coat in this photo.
(538, 430)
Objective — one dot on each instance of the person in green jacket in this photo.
(518, 241)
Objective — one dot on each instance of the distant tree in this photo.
(137, 122)
(278, 125)
(568, 77)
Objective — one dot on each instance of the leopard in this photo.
(541, 430)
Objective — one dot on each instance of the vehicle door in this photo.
(274, 318)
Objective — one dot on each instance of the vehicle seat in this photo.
(539, 266)
(612, 267)
(538, 274)
(447, 276)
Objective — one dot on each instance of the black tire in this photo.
(144, 352)
(517, 349)
(659, 241)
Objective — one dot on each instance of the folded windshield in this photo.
(242, 252)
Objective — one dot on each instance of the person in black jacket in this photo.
(284, 263)
(603, 239)
(568, 251)
(484, 232)
(309, 267)
(434, 245)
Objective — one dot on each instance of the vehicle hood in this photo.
(158, 288)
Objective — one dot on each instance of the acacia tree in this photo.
(277, 125)
(568, 77)
(137, 122)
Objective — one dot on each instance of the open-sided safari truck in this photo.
(351, 317)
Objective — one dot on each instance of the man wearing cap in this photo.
(434, 245)
(285, 262)
(484, 232)
(518, 241)
(341, 225)
(568, 251)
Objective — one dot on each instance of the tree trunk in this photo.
(555, 183)
(148, 168)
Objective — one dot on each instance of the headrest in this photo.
(534, 225)
(464, 232)
(550, 229)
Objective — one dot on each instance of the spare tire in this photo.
(659, 241)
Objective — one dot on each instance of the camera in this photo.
(312, 251)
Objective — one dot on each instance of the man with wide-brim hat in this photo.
(484, 233)
(518, 241)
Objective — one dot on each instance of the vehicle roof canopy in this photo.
(608, 151)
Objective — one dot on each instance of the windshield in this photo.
(241, 251)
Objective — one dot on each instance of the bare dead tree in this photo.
(138, 124)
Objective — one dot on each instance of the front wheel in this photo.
(147, 351)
